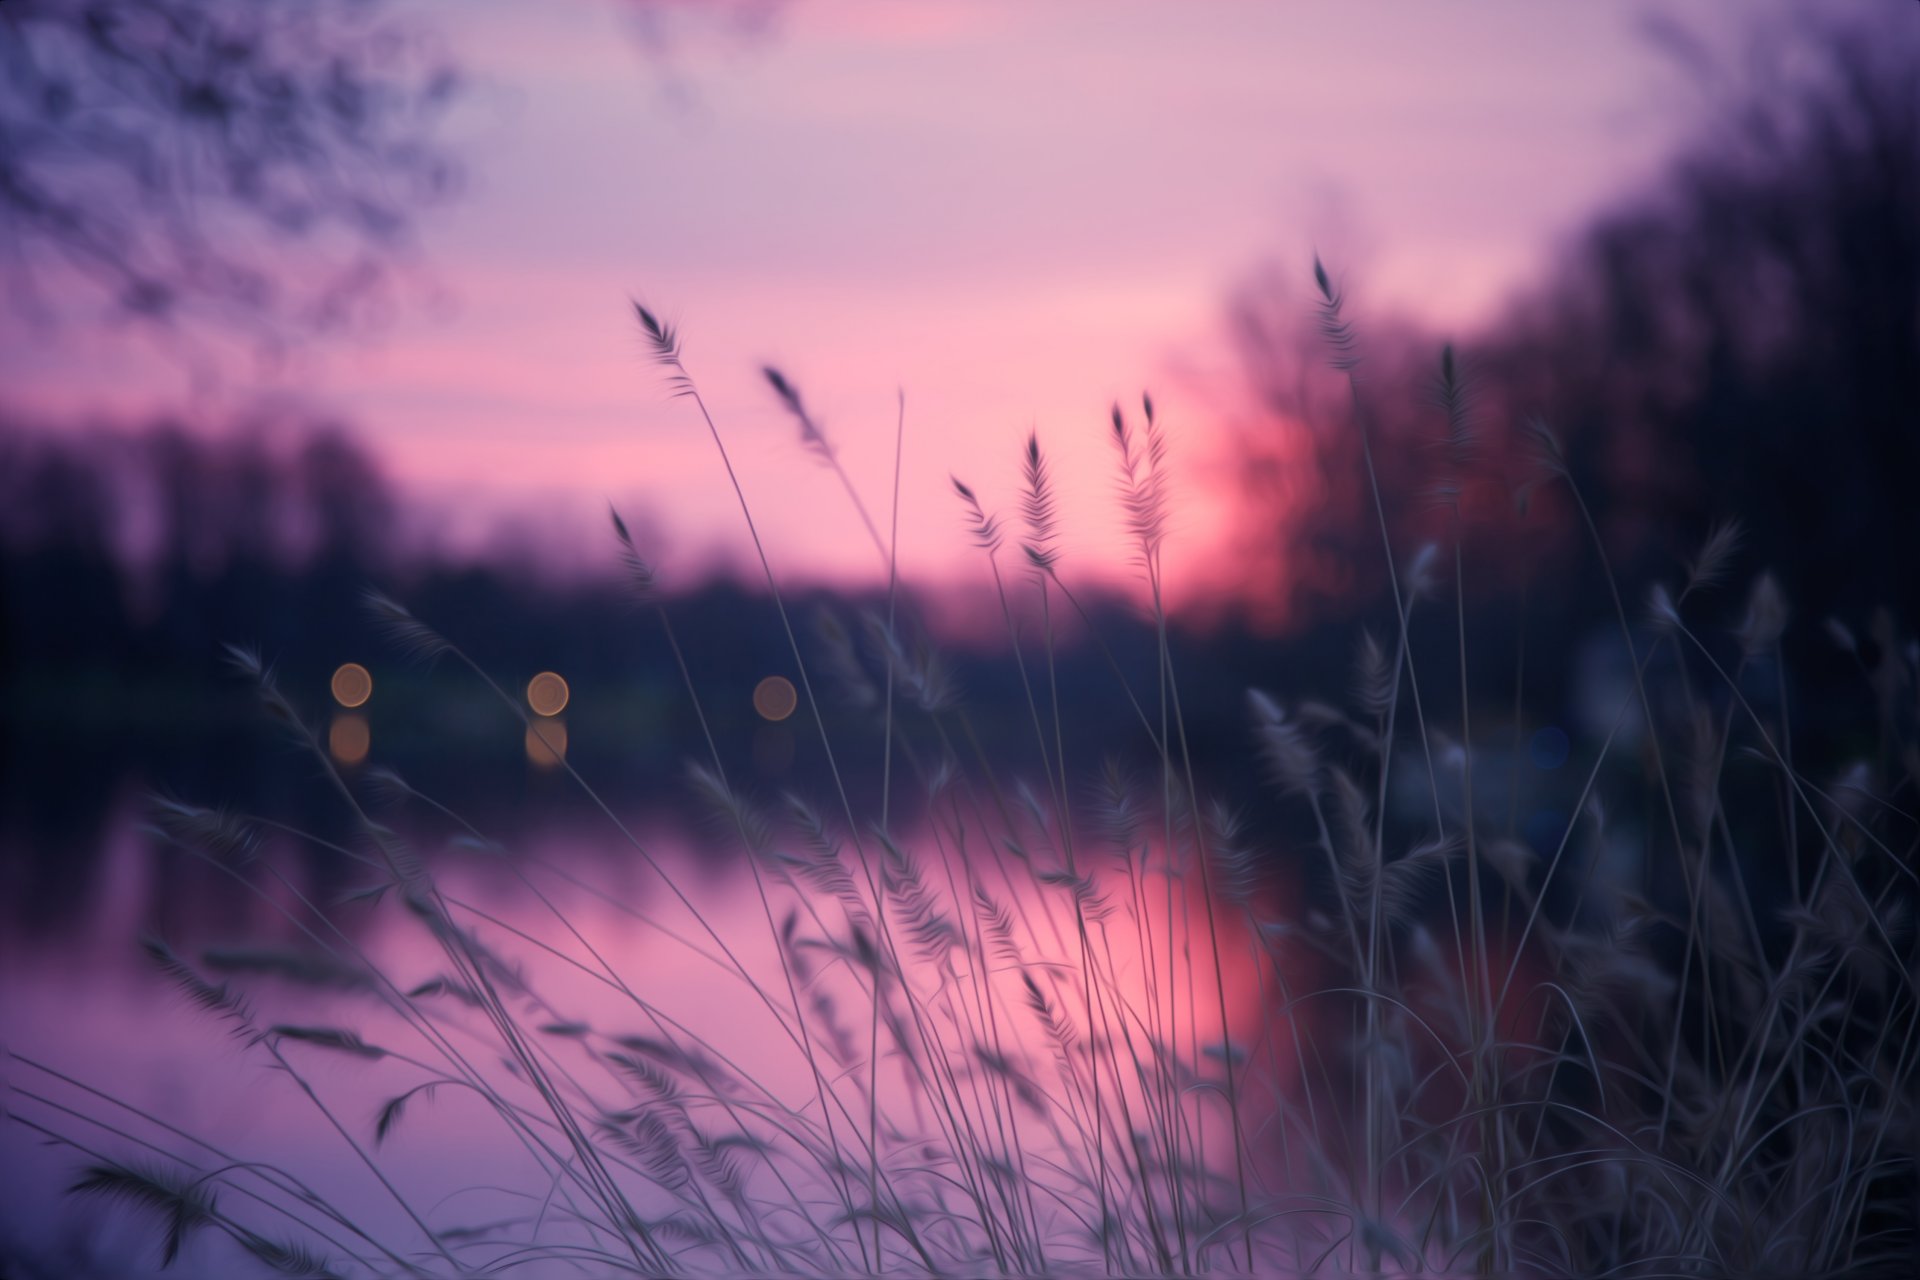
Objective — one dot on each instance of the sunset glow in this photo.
(1016, 258)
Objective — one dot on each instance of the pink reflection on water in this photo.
(635, 1001)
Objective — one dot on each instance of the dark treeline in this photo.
(131, 560)
(1741, 341)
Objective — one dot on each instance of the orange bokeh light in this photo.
(352, 684)
(547, 694)
(774, 698)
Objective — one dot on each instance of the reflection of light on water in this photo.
(547, 694)
(444, 1139)
(349, 739)
(352, 684)
(546, 742)
(774, 698)
(546, 738)
(773, 748)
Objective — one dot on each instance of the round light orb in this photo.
(774, 698)
(352, 684)
(547, 694)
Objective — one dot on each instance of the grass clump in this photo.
(1104, 1022)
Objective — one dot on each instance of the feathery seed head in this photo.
(1453, 396)
(1143, 488)
(248, 662)
(1241, 871)
(1709, 567)
(663, 342)
(215, 831)
(1405, 882)
(1548, 455)
(413, 636)
(1374, 677)
(1512, 860)
(1419, 574)
(388, 786)
(984, 528)
(1766, 616)
(187, 1206)
(1661, 607)
(1117, 812)
(811, 436)
(727, 805)
(639, 572)
(661, 335)
(1289, 755)
(1038, 509)
(1335, 330)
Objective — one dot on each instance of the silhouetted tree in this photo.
(1746, 340)
(239, 161)
(1742, 339)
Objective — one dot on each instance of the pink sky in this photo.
(1015, 212)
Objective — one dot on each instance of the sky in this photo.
(1008, 214)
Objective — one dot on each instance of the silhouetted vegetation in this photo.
(219, 162)
(1741, 339)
